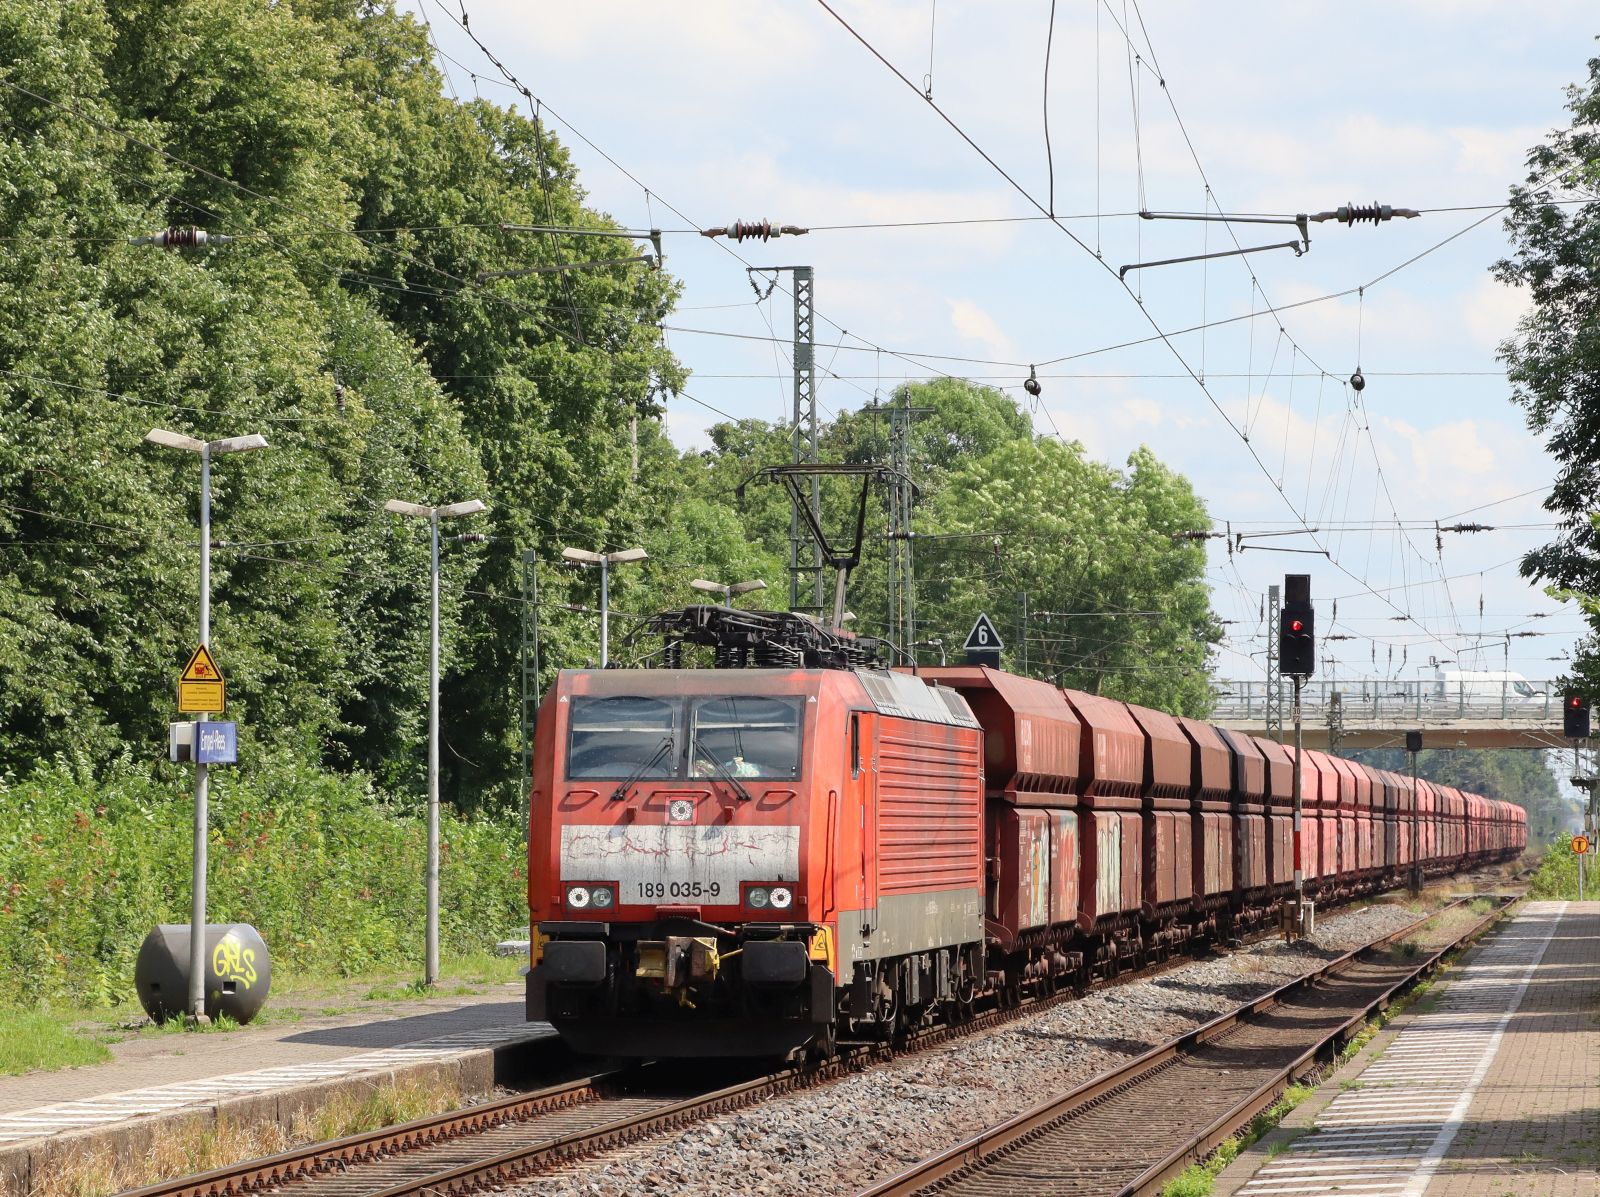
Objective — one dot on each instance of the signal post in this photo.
(1297, 657)
(1575, 727)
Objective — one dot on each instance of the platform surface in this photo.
(1488, 1087)
(171, 1072)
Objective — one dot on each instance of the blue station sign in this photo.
(216, 743)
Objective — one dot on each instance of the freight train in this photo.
(799, 847)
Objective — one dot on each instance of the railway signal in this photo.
(1297, 644)
(1575, 716)
(1414, 746)
(1297, 656)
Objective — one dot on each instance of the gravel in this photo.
(836, 1139)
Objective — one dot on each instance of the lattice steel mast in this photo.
(1274, 676)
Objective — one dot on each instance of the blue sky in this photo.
(774, 111)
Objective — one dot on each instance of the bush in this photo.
(327, 869)
(1557, 878)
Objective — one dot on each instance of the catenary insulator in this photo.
(758, 230)
(1354, 214)
(181, 238)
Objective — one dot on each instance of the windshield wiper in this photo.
(621, 792)
(722, 771)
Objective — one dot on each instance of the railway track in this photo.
(514, 1138)
(498, 1142)
(1187, 1096)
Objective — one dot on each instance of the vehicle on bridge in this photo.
(798, 845)
(1480, 687)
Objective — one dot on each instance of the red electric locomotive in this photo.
(738, 861)
(799, 844)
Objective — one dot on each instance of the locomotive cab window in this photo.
(624, 736)
(746, 736)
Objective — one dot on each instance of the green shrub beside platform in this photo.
(329, 871)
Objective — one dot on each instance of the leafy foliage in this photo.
(326, 870)
(1553, 361)
(370, 320)
(1002, 513)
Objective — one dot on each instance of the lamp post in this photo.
(202, 782)
(433, 515)
(729, 591)
(937, 642)
(605, 561)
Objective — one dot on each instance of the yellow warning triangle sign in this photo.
(201, 667)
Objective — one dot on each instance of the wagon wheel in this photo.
(823, 1047)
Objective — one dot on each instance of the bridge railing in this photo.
(1419, 702)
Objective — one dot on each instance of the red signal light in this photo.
(1296, 626)
(1575, 702)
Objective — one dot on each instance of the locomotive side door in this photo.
(857, 876)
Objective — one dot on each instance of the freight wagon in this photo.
(801, 847)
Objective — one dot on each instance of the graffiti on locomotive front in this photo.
(666, 863)
(700, 746)
(230, 961)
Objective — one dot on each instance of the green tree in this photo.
(1553, 361)
(1115, 606)
(100, 340)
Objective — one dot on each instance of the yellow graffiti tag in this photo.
(230, 962)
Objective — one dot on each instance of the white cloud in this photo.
(773, 111)
(1143, 411)
(1492, 312)
(686, 424)
(972, 323)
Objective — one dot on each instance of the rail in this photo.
(556, 1126)
(970, 1157)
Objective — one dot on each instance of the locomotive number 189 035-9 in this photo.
(655, 890)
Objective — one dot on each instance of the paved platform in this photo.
(256, 1073)
(1489, 1087)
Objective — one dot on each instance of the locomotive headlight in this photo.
(757, 897)
(781, 897)
(602, 896)
(578, 896)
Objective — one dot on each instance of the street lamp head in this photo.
(400, 507)
(747, 587)
(624, 555)
(582, 556)
(174, 440)
(239, 444)
(469, 507)
(708, 587)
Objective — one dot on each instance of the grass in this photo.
(54, 1037)
(1197, 1179)
(197, 1149)
(32, 1040)
(328, 992)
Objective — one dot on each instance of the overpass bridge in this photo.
(1377, 714)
